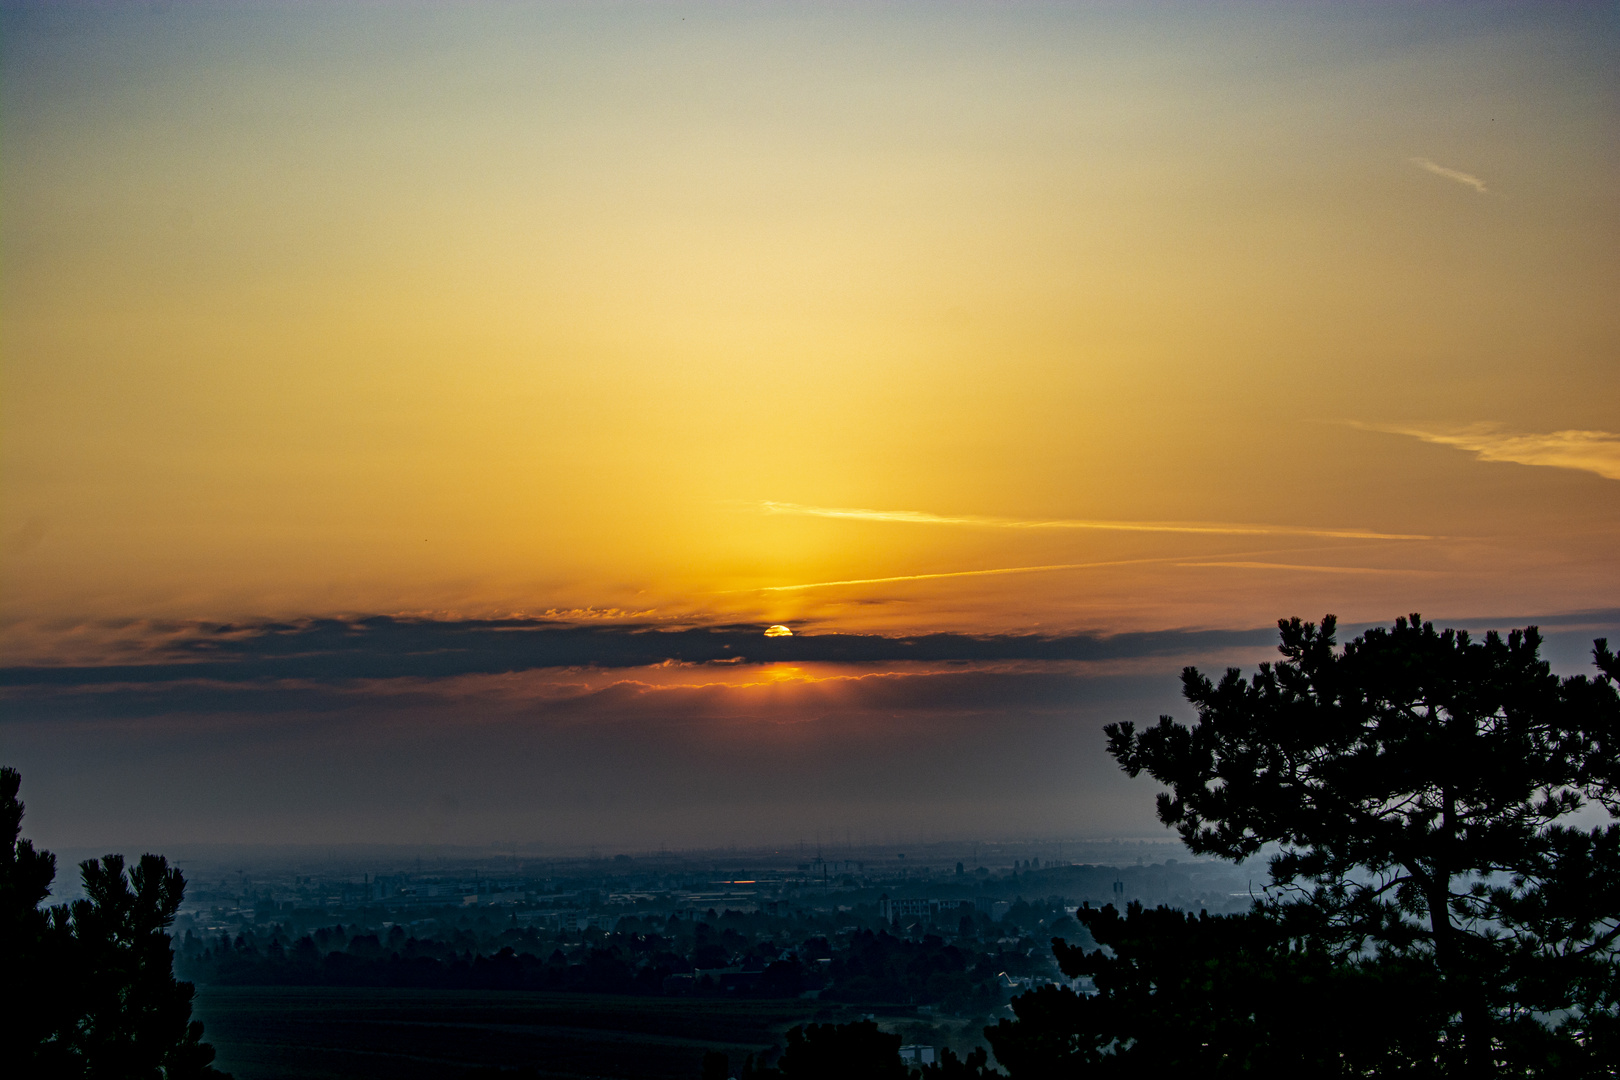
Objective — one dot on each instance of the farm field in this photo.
(321, 1033)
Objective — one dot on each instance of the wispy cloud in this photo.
(1590, 451)
(1245, 565)
(1239, 560)
(995, 572)
(922, 517)
(1451, 174)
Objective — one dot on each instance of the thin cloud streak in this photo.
(1468, 179)
(922, 517)
(1588, 451)
(954, 574)
(1174, 560)
(1309, 568)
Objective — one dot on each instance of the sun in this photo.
(778, 631)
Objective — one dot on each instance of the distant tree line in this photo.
(90, 986)
(871, 967)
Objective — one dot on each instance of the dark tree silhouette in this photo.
(856, 1051)
(1419, 786)
(1219, 996)
(138, 1022)
(39, 1012)
(716, 1066)
(950, 1067)
(99, 997)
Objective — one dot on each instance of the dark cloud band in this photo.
(386, 647)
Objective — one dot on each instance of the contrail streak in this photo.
(1175, 560)
(922, 517)
(1451, 174)
(953, 574)
(1301, 566)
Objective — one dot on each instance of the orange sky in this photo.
(859, 318)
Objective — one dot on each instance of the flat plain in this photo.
(323, 1033)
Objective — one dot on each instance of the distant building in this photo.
(911, 909)
(992, 907)
(917, 1054)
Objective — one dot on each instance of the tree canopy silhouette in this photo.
(1220, 996)
(1420, 788)
(93, 992)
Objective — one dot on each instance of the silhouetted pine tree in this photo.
(92, 986)
(1220, 996)
(1418, 786)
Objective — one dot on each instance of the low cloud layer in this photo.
(221, 740)
(384, 647)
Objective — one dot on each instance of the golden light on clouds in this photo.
(1589, 451)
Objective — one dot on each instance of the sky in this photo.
(412, 416)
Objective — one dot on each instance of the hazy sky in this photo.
(866, 319)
